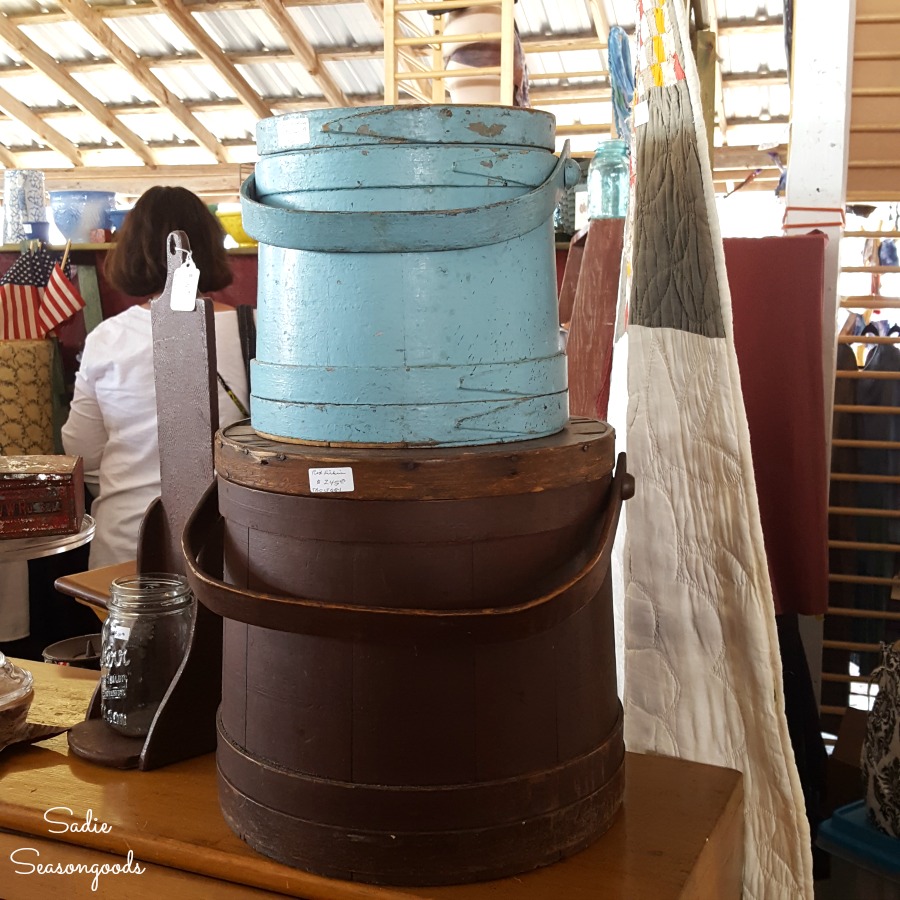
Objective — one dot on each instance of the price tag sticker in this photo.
(293, 130)
(641, 113)
(120, 632)
(337, 480)
(185, 280)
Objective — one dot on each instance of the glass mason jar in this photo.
(144, 639)
(564, 216)
(608, 181)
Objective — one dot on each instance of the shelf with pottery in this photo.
(58, 248)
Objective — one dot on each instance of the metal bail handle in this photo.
(405, 232)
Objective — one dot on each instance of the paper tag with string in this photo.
(185, 280)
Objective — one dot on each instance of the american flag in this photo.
(35, 297)
(60, 301)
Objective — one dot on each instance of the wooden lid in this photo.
(581, 453)
(47, 467)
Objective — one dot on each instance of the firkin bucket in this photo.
(419, 666)
(407, 287)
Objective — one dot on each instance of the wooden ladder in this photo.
(857, 593)
(413, 48)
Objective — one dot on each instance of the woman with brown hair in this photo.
(112, 420)
(137, 262)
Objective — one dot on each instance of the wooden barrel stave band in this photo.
(443, 807)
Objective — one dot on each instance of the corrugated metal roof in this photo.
(20, 7)
(348, 25)
(539, 17)
(282, 79)
(196, 82)
(363, 77)
(344, 33)
(749, 9)
(151, 35)
(249, 29)
(63, 41)
(750, 53)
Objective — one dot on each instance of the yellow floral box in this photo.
(26, 398)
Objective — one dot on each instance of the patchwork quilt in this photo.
(702, 668)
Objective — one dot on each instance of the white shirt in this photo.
(112, 422)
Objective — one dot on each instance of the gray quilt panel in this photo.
(674, 283)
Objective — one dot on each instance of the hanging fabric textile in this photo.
(703, 672)
(621, 81)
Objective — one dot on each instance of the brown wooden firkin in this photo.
(419, 675)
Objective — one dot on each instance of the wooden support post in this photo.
(821, 74)
(390, 53)
(507, 52)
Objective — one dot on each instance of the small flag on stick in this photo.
(60, 300)
(36, 296)
(20, 298)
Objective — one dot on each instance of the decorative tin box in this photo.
(41, 495)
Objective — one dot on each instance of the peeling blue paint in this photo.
(408, 239)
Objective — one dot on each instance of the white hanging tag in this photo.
(185, 280)
(641, 114)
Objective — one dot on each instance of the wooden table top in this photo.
(679, 834)
(92, 587)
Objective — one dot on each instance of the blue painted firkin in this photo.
(407, 285)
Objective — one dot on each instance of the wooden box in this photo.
(41, 495)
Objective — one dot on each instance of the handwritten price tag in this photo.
(184, 286)
(293, 130)
(338, 480)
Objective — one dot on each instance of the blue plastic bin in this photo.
(865, 861)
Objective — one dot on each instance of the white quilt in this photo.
(702, 667)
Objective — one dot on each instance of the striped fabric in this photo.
(60, 300)
(19, 312)
(35, 297)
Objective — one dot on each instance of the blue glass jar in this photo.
(608, 181)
